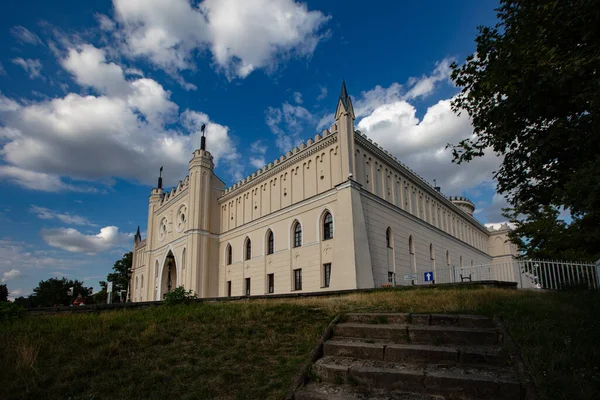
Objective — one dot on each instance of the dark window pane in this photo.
(298, 235)
(229, 254)
(247, 286)
(228, 288)
(270, 244)
(327, 272)
(327, 227)
(297, 279)
(271, 283)
(248, 249)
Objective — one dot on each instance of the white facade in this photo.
(385, 220)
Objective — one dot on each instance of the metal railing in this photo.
(528, 274)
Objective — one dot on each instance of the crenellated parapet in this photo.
(175, 190)
(300, 151)
(463, 203)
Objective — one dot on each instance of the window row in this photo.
(327, 233)
(389, 239)
(297, 285)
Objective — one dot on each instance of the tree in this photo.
(54, 291)
(533, 94)
(122, 272)
(3, 293)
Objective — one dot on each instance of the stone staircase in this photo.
(414, 357)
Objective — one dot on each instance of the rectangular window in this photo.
(228, 288)
(271, 282)
(326, 274)
(391, 277)
(298, 279)
(247, 286)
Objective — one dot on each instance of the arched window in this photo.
(389, 240)
(228, 254)
(270, 242)
(448, 257)
(327, 226)
(297, 234)
(136, 282)
(142, 285)
(248, 254)
(411, 250)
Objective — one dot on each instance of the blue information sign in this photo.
(428, 276)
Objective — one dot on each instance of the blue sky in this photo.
(96, 96)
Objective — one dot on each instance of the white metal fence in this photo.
(541, 274)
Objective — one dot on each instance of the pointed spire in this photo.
(344, 98)
(138, 235)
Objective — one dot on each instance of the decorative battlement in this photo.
(303, 147)
(181, 186)
(463, 203)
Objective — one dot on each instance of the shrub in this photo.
(178, 296)
(10, 310)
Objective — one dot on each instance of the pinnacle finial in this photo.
(344, 94)
(138, 235)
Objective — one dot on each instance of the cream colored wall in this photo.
(499, 245)
(406, 191)
(379, 215)
(310, 169)
(310, 257)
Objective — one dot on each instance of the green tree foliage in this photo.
(178, 296)
(3, 293)
(533, 94)
(122, 272)
(54, 291)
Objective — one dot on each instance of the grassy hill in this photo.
(251, 349)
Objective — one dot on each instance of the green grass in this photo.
(252, 349)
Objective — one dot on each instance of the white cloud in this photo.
(24, 35)
(421, 87)
(11, 274)
(74, 241)
(32, 67)
(288, 123)
(39, 180)
(67, 218)
(119, 133)
(297, 97)
(323, 93)
(2, 70)
(13, 294)
(258, 150)
(242, 35)
(106, 24)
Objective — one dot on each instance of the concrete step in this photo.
(414, 353)
(424, 334)
(467, 321)
(327, 391)
(453, 382)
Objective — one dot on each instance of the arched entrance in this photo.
(168, 279)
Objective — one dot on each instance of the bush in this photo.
(178, 296)
(10, 310)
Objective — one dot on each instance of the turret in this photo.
(344, 118)
(464, 204)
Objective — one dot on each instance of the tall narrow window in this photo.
(270, 243)
(271, 282)
(411, 249)
(391, 278)
(136, 282)
(142, 283)
(327, 227)
(228, 288)
(447, 257)
(389, 241)
(229, 254)
(247, 286)
(326, 274)
(297, 234)
(298, 279)
(248, 253)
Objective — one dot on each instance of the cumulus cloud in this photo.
(11, 274)
(242, 35)
(288, 123)
(32, 67)
(120, 132)
(72, 240)
(24, 35)
(67, 218)
(258, 150)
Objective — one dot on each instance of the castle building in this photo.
(336, 212)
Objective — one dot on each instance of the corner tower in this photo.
(203, 225)
(344, 119)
